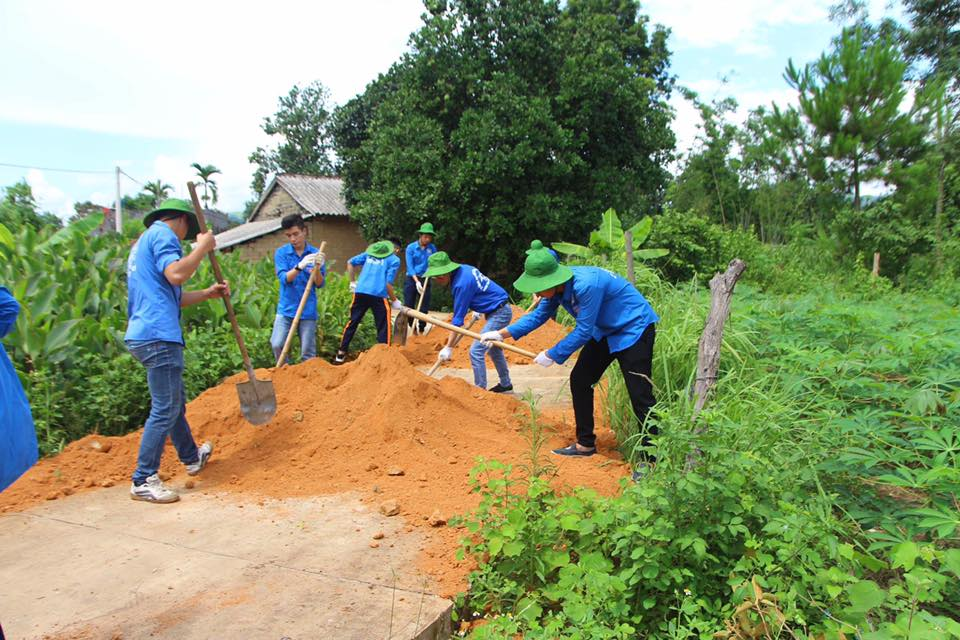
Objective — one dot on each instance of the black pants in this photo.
(381, 315)
(636, 363)
(411, 297)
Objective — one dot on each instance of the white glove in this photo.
(446, 354)
(490, 336)
(396, 304)
(543, 359)
(308, 261)
(475, 317)
(419, 287)
(353, 287)
(321, 259)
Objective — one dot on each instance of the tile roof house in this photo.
(318, 199)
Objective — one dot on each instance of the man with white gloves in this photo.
(614, 322)
(293, 263)
(472, 290)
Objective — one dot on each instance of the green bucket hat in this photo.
(426, 228)
(175, 205)
(440, 264)
(380, 249)
(541, 271)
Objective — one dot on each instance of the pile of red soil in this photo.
(423, 350)
(337, 429)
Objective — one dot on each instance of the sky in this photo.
(152, 87)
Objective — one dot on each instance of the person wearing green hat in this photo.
(418, 253)
(614, 322)
(373, 291)
(156, 272)
(473, 291)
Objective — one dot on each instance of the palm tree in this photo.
(204, 173)
(158, 190)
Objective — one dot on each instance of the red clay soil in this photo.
(423, 350)
(344, 429)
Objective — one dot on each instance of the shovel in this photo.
(416, 326)
(407, 311)
(303, 303)
(258, 401)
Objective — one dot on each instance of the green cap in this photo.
(541, 271)
(380, 249)
(175, 205)
(440, 264)
(427, 228)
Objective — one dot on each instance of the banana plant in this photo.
(609, 242)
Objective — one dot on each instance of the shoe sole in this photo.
(134, 496)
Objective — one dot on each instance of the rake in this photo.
(400, 331)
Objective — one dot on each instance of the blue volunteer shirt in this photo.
(18, 439)
(605, 306)
(377, 273)
(417, 258)
(284, 259)
(473, 290)
(153, 304)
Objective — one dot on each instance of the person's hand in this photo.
(353, 286)
(205, 242)
(218, 290)
(490, 336)
(396, 304)
(307, 261)
(446, 353)
(543, 359)
(475, 317)
(320, 260)
(419, 287)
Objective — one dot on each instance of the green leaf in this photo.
(650, 254)
(529, 610)
(555, 559)
(905, 554)
(571, 249)
(610, 231)
(82, 227)
(865, 595)
(42, 303)
(6, 238)
(513, 548)
(951, 559)
(650, 571)
(60, 336)
(641, 230)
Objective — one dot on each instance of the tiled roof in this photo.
(316, 194)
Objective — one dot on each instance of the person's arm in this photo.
(590, 300)
(545, 310)
(181, 270)
(215, 290)
(9, 309)
(411, 256)
(391, 276)
(321, 277)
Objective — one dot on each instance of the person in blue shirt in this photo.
(373, 290)
(418, 253)
(18, 439)
(473, 291)
(156, 272)
(614, 322)
(293, 264)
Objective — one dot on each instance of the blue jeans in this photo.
(308, 336)
(168, 408)
(494, 321)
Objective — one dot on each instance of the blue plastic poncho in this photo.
(18, 440)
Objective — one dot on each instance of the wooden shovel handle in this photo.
(300, 307)
(197, 209)
(456, 340)
(413, 313)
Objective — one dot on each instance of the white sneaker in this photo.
(153, 490)
(205, 450)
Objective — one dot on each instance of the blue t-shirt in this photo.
(18, 439)
(605, 306)
(377, 273)
(153, 304)
(473, 290)
(284, 259)
(417, 258)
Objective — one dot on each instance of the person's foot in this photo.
(575, 450)
(501, 388)
(340, 358)
(153, 490)
(204, 452)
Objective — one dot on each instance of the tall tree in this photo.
(158, 191)
(509, 121)
(18, 208)
(851, 98)
(302, 124)
(204, 172)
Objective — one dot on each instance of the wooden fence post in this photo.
(628, 241)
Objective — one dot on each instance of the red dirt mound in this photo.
(422, 350)
(347, 428)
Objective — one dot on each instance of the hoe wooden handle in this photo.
(470, 334)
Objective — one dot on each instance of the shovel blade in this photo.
(400, 329)
(258, 401)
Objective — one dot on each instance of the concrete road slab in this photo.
(550, 385)
(99, 565)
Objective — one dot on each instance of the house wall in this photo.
(278, 204)
(342, 235)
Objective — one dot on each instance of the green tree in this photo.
(158, 191)
(851, 99)
(302, 123)
(509, 121)
(18, 208)
(84, 210)
(205, 173)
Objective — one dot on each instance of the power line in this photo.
(23, 166)
(131, 177)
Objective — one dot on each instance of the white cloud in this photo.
(49, 197)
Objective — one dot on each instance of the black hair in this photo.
(292, 220)
(172, 215)
(396, 241)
